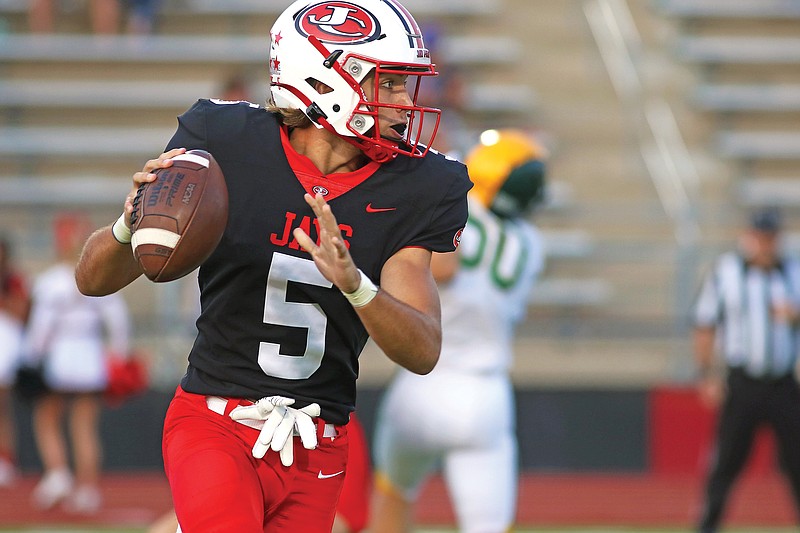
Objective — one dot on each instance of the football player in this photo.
(335, 207)
(461, 416)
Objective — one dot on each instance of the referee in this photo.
(749, 309)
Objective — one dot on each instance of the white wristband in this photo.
(364, 294)
(121, 230)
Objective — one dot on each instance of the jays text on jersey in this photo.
(270, 323)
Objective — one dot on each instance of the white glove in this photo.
(279, 423)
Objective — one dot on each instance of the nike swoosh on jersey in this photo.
(326, 476)
(371, 209)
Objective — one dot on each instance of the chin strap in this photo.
(376, 152)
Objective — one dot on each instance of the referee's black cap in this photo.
(768, 220)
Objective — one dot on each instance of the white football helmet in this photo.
(339, 43)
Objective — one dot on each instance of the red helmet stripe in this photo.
(411, 26)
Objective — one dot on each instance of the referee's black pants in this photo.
(749, 404)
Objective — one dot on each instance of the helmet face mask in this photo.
(340, 44)
(404, 119)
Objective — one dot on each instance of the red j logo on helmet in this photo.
(338, 22)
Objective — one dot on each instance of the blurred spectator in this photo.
(747, 313)
(448, 90)
(236, 88)
(104, 15)
(71, 335)
(142, 16)
(14, 307)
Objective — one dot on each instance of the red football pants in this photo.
(218, 486)
(353, 506)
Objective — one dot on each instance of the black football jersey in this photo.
(270, 323)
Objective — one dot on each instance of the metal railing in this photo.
(652, 123)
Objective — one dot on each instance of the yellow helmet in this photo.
(507, 169)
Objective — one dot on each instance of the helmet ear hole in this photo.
(320, 87)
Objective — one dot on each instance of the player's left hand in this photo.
(280, 423)
(331, 255)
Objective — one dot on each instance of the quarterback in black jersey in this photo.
(332, 194)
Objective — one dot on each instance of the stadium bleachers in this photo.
(272, 9)
(726, 9)
(204, 49)
(765, 191)
(81, 109)
(755, 97)
(745, 55)
(760, 145)
(744, 83)
(80, 112)
(738, 49)
(172, 95)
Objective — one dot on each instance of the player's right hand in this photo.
(330, 254)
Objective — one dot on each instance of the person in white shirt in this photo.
(71, 335)
(461, 415)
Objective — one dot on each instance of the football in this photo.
(178, 219)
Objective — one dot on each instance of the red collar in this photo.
(313, 181)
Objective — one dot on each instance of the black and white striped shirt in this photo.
(738, 299)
